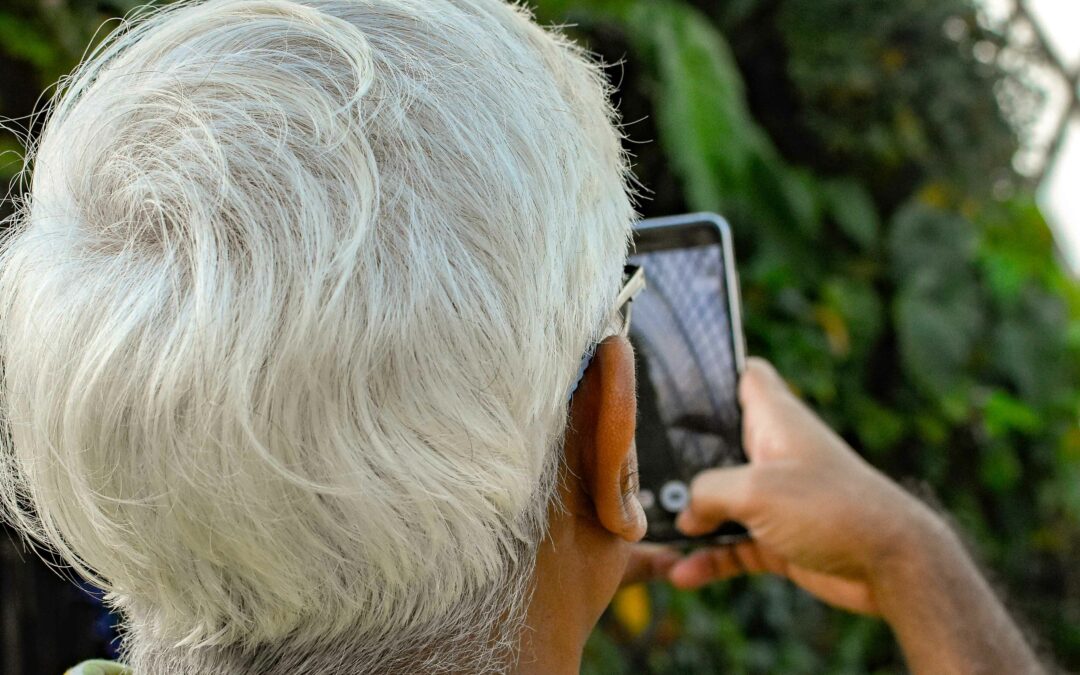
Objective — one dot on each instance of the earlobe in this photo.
(611, 464)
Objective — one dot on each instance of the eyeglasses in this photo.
(633, 283)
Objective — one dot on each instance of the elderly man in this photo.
(289, 321)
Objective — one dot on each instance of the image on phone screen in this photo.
(686, 333)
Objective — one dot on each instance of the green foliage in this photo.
(39, 43)
(894, 268)
(883, 86)
(937, 306)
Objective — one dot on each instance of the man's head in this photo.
(289, 319)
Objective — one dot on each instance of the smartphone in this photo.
(686, 329)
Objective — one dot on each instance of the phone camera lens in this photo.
(674, 496)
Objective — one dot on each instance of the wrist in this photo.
(944, 614)
(923, 550)
(903, 533)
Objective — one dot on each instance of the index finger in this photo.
(716, 496)
(648, 562)
(776, 423)
(766, 406)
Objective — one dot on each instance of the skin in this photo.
(819, 515)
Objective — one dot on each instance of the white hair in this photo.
(288, 321)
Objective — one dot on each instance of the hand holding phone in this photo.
(842, 531)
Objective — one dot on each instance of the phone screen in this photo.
(684, 334)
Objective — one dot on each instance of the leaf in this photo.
(851, 206)
(801, 198)
(23, 40)
(558, 11)
(1002, 413)
(878, 427)
(723, 157)
(1000, 468)
(926, 241)
(1029, 349)
(11, 157)
(937, 327)
(1015, 248)
(938, 310)
(836, 331)
(1005, 274)
(861, 308)
(701, 113)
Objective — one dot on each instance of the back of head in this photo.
(288, 321)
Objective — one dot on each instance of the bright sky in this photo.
(1059, 195)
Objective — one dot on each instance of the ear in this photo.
(604, 419)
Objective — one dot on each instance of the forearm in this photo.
(944, 613)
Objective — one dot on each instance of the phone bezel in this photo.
(687, 231)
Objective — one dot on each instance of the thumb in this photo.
(716, 496)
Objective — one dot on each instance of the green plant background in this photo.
(894, 267)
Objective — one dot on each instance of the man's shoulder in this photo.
(99, 667)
